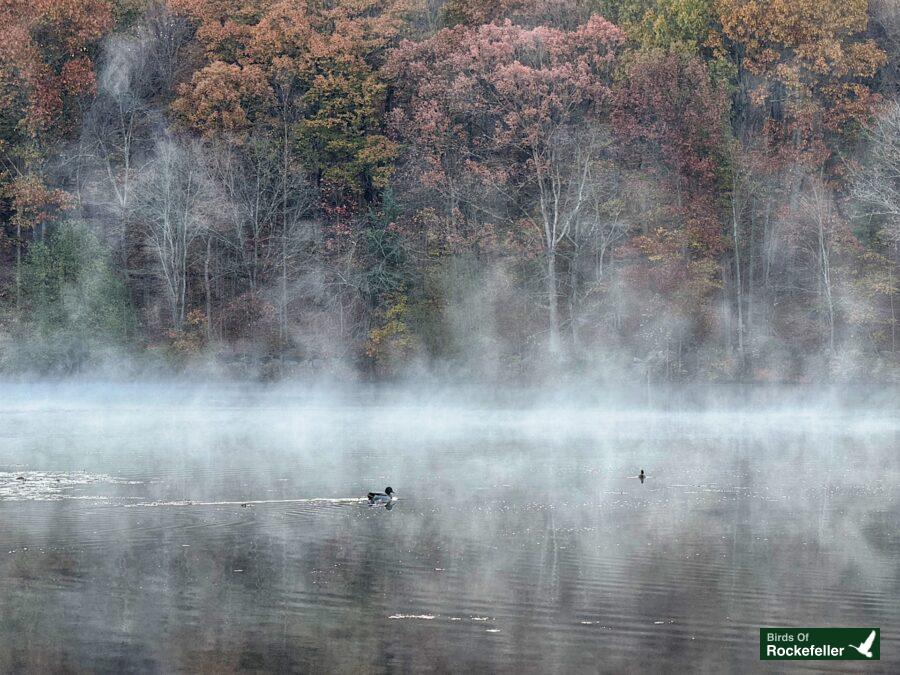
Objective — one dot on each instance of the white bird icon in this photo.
(865, 647)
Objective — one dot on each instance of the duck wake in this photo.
(254, 502)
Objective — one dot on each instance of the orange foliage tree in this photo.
(310, 71)
(46, 56)
(810, 52)
(46, 71)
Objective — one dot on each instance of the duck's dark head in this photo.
(388, 490)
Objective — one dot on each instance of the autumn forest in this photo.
(680, 190)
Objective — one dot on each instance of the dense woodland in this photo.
(665, 189)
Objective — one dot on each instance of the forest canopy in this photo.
(500, 189)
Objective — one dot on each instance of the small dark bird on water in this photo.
(381, 497)
(642, 476)
(22, 478)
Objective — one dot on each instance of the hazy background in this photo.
(260, 258)
(380, 190)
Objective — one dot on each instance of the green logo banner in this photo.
(804, 644)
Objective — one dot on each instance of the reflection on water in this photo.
(228, 538)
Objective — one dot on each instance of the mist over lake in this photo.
(453, 336)
(172, 529)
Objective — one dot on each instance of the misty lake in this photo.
(149, 529)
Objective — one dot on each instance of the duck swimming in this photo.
(381, 497)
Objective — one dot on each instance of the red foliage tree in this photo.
(498, 123)
(670, 120)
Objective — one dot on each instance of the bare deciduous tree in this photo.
(175, 203)
(599, 223)
(268, 211)
(877, 183)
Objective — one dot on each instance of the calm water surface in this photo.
(225, 533)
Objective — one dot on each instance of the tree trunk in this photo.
(825, 268)
(738, 287)
(893, 314)
(207, 289)
(751, 265)
(175, 324)
(284, 236)
(553, 299)
(182, 295)
(18, 265)
(726, 313)
(574, 300)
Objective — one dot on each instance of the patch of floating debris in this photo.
(52, 485)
